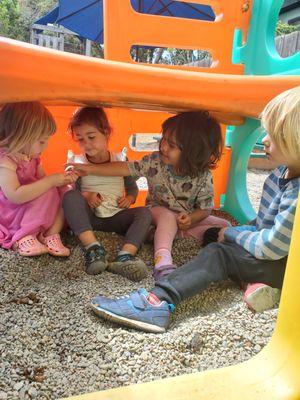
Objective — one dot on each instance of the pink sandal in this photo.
(30, 246)
(55, 246)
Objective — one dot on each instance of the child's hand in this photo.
(184, 221)
(93, 199)
(72, 176)
(125, 201)
(62, 179)
(79, 169)
(221, 237)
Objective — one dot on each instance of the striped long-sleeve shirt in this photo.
(269, 235)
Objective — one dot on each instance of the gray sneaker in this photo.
(130, 267)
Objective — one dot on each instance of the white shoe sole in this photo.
(126, 321)
(263, 298)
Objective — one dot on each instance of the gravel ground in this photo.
(49, 336)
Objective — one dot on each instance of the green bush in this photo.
(284, 29)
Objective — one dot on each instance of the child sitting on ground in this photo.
(248, 254)
(31, 216)
(100, 203)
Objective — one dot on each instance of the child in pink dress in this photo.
(31, 215)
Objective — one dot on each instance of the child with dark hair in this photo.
(102, 203)
(180, 184)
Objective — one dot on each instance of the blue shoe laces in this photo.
(124, 257)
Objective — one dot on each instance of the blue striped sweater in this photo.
(269, 235)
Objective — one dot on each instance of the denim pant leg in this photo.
(218, 262)
(133, 223)
(78, 213)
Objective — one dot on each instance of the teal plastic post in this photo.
(259, 53)
(260, 57)
(242, 140)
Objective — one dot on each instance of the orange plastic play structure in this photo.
(125, 27)
(137, 99)
(63, 81)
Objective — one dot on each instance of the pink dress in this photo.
(31, 218)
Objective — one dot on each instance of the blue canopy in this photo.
(174, 9)
(85, 17)
(49, 18)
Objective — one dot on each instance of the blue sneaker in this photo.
(134, 311)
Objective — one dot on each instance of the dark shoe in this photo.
(129, 266)
(134, 311)
(95, 261)
(163, 271)
(210, 236)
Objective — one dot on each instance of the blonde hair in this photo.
(24, 123)
(281, 119)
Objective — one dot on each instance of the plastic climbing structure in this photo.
(245, 74)
(259, 57)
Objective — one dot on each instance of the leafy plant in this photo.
(284, 29)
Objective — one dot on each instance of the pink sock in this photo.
(152, 299)
(162, 257)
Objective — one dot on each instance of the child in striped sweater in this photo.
(245, 254)
(267, 238)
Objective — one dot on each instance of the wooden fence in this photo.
(288, 45)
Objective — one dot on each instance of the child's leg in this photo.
(58, 223)
(150, 311)
(80, 217)
(50, 241)
(217, 262)
(29, 220)
(138, 229)
(82, 220)
(166, 229)
(133, 223)
(258, 296)
(198, 230)
(51, 238)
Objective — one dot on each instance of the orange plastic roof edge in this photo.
(29, 72)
